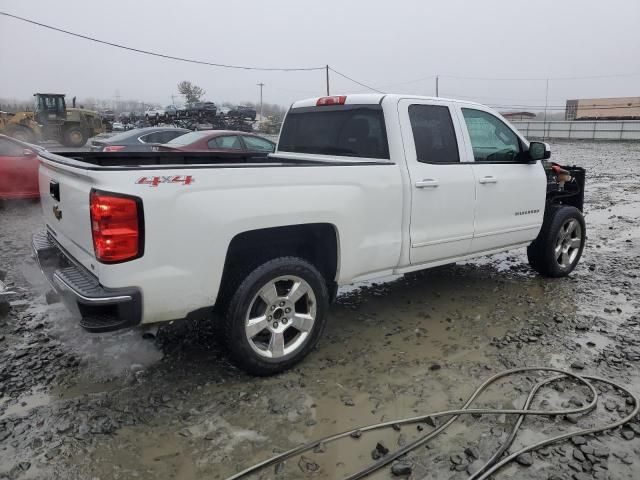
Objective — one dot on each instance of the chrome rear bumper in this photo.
(101, 309)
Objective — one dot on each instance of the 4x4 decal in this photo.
(155, 181)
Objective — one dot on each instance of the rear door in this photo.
(442, 185)
(510, 192)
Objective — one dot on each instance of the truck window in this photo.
(433, 134)
(491, 139)
(350, 130)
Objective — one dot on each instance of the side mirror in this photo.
(539, 151)
(27, 152)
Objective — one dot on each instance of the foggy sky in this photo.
(382, 43)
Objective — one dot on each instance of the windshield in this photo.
(349, 130)
(188, 138)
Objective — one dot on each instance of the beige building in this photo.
(518, 115)
(621, 108)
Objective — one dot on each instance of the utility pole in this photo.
(261, 85)
(173, 102)
(437, 86)
(327, 70)
(546, 104)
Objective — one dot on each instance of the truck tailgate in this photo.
(64, 194)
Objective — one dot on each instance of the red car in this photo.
(219, 141)
(18, 169)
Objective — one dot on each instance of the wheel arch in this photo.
(318, 243)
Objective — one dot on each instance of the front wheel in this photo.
(276, 316)
(559, 245)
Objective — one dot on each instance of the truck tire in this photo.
(21, 133)
(276, 316)
(74, 137)
(559, 245)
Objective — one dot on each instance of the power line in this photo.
(582, 107)
(584, 77)
(156, 54)
(417, 80)
(293, 69)
(504, 102)
(355, 81)
(461, 77)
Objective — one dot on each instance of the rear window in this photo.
(350, 131)
(188, 138)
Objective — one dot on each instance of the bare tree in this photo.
(192, 92)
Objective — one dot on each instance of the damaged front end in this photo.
(565, 184)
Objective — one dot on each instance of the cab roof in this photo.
(373, 99)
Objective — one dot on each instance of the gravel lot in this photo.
(77, 405)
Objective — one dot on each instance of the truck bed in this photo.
(193, 205)
(172, 160)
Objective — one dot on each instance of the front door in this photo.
(510, 192)
(441, 185)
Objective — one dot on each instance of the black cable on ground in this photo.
(494, 463)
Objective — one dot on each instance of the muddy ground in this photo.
(76, 405)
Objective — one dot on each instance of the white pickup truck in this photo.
(359, 187)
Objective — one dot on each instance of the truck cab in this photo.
(471, 185)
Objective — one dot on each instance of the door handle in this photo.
(427, 183)
(488, 179)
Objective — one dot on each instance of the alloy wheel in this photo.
(568, 243)
(281, 316)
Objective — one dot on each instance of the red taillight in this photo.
(113, 148)
(335, 100)
(116, 227)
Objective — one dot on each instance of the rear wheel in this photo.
(276, 316)
(74, 137)
(559, 246)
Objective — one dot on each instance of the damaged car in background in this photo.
(359, 187)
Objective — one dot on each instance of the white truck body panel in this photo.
(188, 229)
